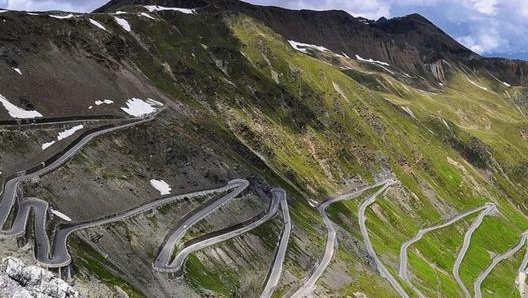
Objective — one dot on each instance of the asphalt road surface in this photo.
(177, 264)
(508, 254)
(370, 249)
(163, 260)
(490, 207)
(11, 194)
(273, 277)
(309, 282)
(403, 272)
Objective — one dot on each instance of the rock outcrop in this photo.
(20, 280)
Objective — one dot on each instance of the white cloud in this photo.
(486, 7)
(523, 9)
(43, 5)
(484, 42)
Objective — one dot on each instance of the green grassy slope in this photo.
(306, 124)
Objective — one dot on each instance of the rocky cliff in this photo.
(27, 281)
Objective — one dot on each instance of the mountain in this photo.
(215, 148)
(410, 43)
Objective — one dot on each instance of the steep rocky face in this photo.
(411, 43)
(23, 281)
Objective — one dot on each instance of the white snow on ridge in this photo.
(97, 24)
(138, 107)
(302, 47)
(162, 186)
(146, 15)
(17, 70)
(370, 60)
(63, 135)
(120, 12)
(123, 23)
(506, 84)
(60, 214)
(69, 16)
(106, 102)
(480, 86)
(69, 132)
(47, 145)
(152, 8)
(17, 112)
(376, 62)
(3, 10)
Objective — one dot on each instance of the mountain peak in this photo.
(410, 43)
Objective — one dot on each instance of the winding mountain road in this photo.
(177, 264)
(403, 271)
(490, 208)
(273, 277)
(368, 244)
(62, 258)
(10, 194)
(309, 282)
(508, 254)
(57, 256)
(163, 260)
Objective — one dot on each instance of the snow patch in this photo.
(138, 107)
(17, 112)
(120, 12)
(506, 84)
(3, 10)
(480, 86)
(68, 16)
(370, 60)
(106, 102)
(97, 24)
(375, 62)
(69, 132)
(303, 47)
(17, 70)
(60, 214)
(63, 135)
(33, 14)
(152, 8)
(162, 186)
(90, 107)
(47, 145)
(123, 23)
(146, 15)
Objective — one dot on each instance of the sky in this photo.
(488, 27)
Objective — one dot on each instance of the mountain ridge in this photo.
(411, 43)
